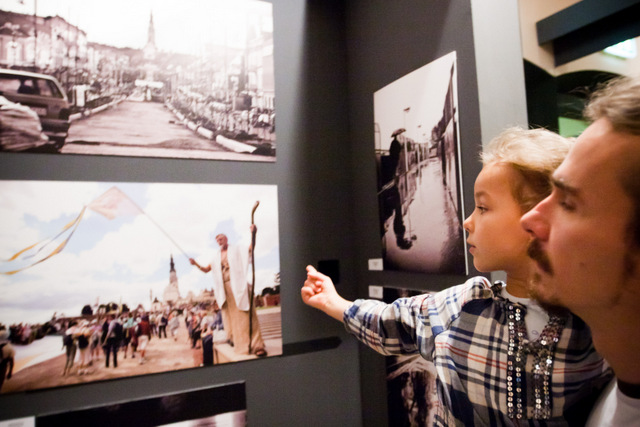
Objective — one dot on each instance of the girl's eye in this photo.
(482, 209)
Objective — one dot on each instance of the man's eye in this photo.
(566, 206)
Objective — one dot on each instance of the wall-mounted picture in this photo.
(223, 405)
(417, 148)
(109, 280)
(163, 78)
(411, 381)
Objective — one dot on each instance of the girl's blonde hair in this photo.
(534, 154)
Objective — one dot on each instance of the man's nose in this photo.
(535, 221)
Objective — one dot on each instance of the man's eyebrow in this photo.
(563, 186)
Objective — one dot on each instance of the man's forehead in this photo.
(594, 164)
(590, 153)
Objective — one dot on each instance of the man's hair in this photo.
(534, 154)
(618, 101)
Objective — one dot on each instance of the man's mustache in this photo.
(536, 253)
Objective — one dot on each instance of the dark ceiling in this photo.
(589, 26)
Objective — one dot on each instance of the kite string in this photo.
(56, 251)
(157, 225)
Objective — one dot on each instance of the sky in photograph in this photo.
(181, 26)
(423, 92)
(125, 259)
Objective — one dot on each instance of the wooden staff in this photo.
(253, 272)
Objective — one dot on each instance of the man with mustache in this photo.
(587, 243)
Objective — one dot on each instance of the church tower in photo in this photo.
(150, 48)
(171, 292)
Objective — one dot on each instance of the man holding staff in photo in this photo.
(232, 292)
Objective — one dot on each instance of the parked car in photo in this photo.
(44, 95)
(20, 128)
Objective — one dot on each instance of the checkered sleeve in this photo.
(408, 325)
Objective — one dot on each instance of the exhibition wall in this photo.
(311, 173)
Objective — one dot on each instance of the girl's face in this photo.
(496, 239)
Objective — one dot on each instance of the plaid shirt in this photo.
(464, 331)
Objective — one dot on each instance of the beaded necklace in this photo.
(542, 351)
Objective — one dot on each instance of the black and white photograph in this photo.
(221, 406)
(105, 280)
(411, 381)
(163, 78)
(419, 184)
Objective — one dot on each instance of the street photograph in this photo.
(166, 78)
(419, 186)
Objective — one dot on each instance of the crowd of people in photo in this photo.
(218, 116)
(26, 333)
(90, 342)
(128, 334)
